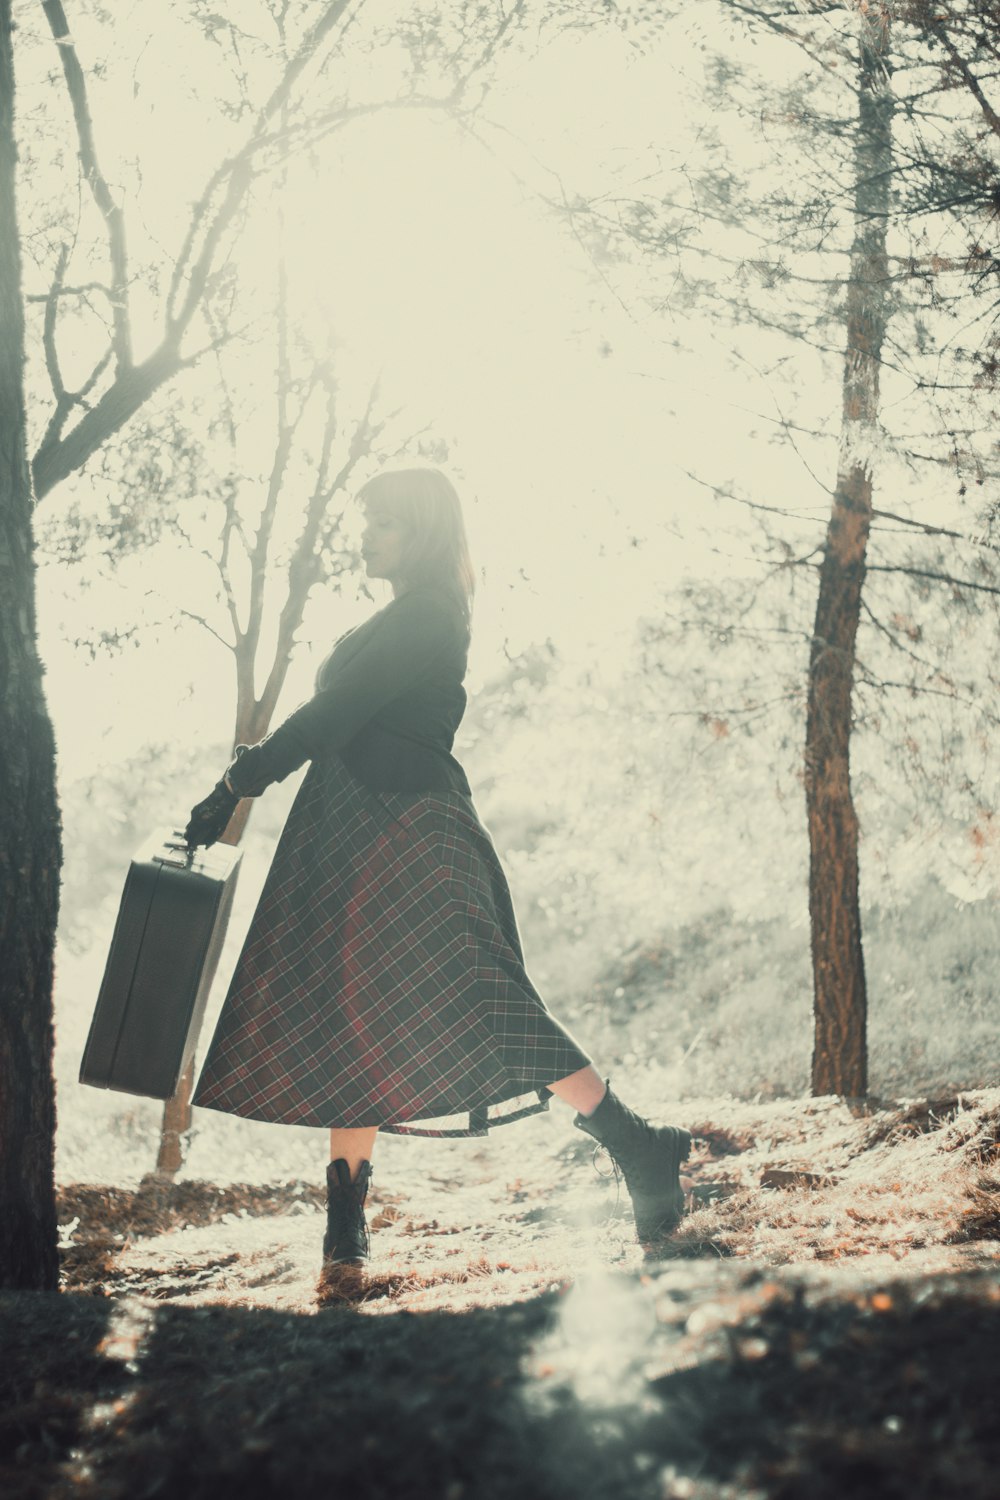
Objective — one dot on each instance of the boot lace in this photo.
(358, 1214)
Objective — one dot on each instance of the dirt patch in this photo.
(786, 1183)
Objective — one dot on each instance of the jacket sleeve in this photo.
(410, 637)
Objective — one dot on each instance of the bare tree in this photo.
(81, 421)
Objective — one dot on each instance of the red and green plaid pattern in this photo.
(382, 980)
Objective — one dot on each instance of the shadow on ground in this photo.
(683, 1382)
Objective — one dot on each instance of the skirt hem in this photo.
(481, 1122)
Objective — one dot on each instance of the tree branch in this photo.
(962, 583)
(774, 510)
(71, 291)
(189, 614)
(49, 330)
(193, 264)
(60, 454)
(286, 426)
(110, 211)
(304, 566)
(888, 515)
(971, 81)
(230, 525)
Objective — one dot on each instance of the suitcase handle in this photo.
(176, 864)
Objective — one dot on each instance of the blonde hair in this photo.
(426, 502)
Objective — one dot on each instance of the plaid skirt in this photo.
(382, 979)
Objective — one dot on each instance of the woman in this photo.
(382, 980)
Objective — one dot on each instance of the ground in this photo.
(824, 1323)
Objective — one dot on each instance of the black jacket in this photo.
(389, 700)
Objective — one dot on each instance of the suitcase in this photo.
(164, 953)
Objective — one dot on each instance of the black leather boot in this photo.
(650, 1159)
(346, 1240)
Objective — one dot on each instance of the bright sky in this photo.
(413, 249)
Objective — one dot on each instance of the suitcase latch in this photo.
(182, 849)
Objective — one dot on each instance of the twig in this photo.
(962, 583)
(236, 173)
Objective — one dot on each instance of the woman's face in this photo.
(383, 543)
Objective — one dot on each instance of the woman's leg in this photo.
(353, 1146)
(583, 1090)
(650, 1156)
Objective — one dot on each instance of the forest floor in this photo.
(824, 1323)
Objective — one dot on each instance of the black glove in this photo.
(210, 818)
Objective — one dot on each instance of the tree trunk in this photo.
(840, 1063)
(29, 819)
(175, 1125)
(252, 721)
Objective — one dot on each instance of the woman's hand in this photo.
(210, 818)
